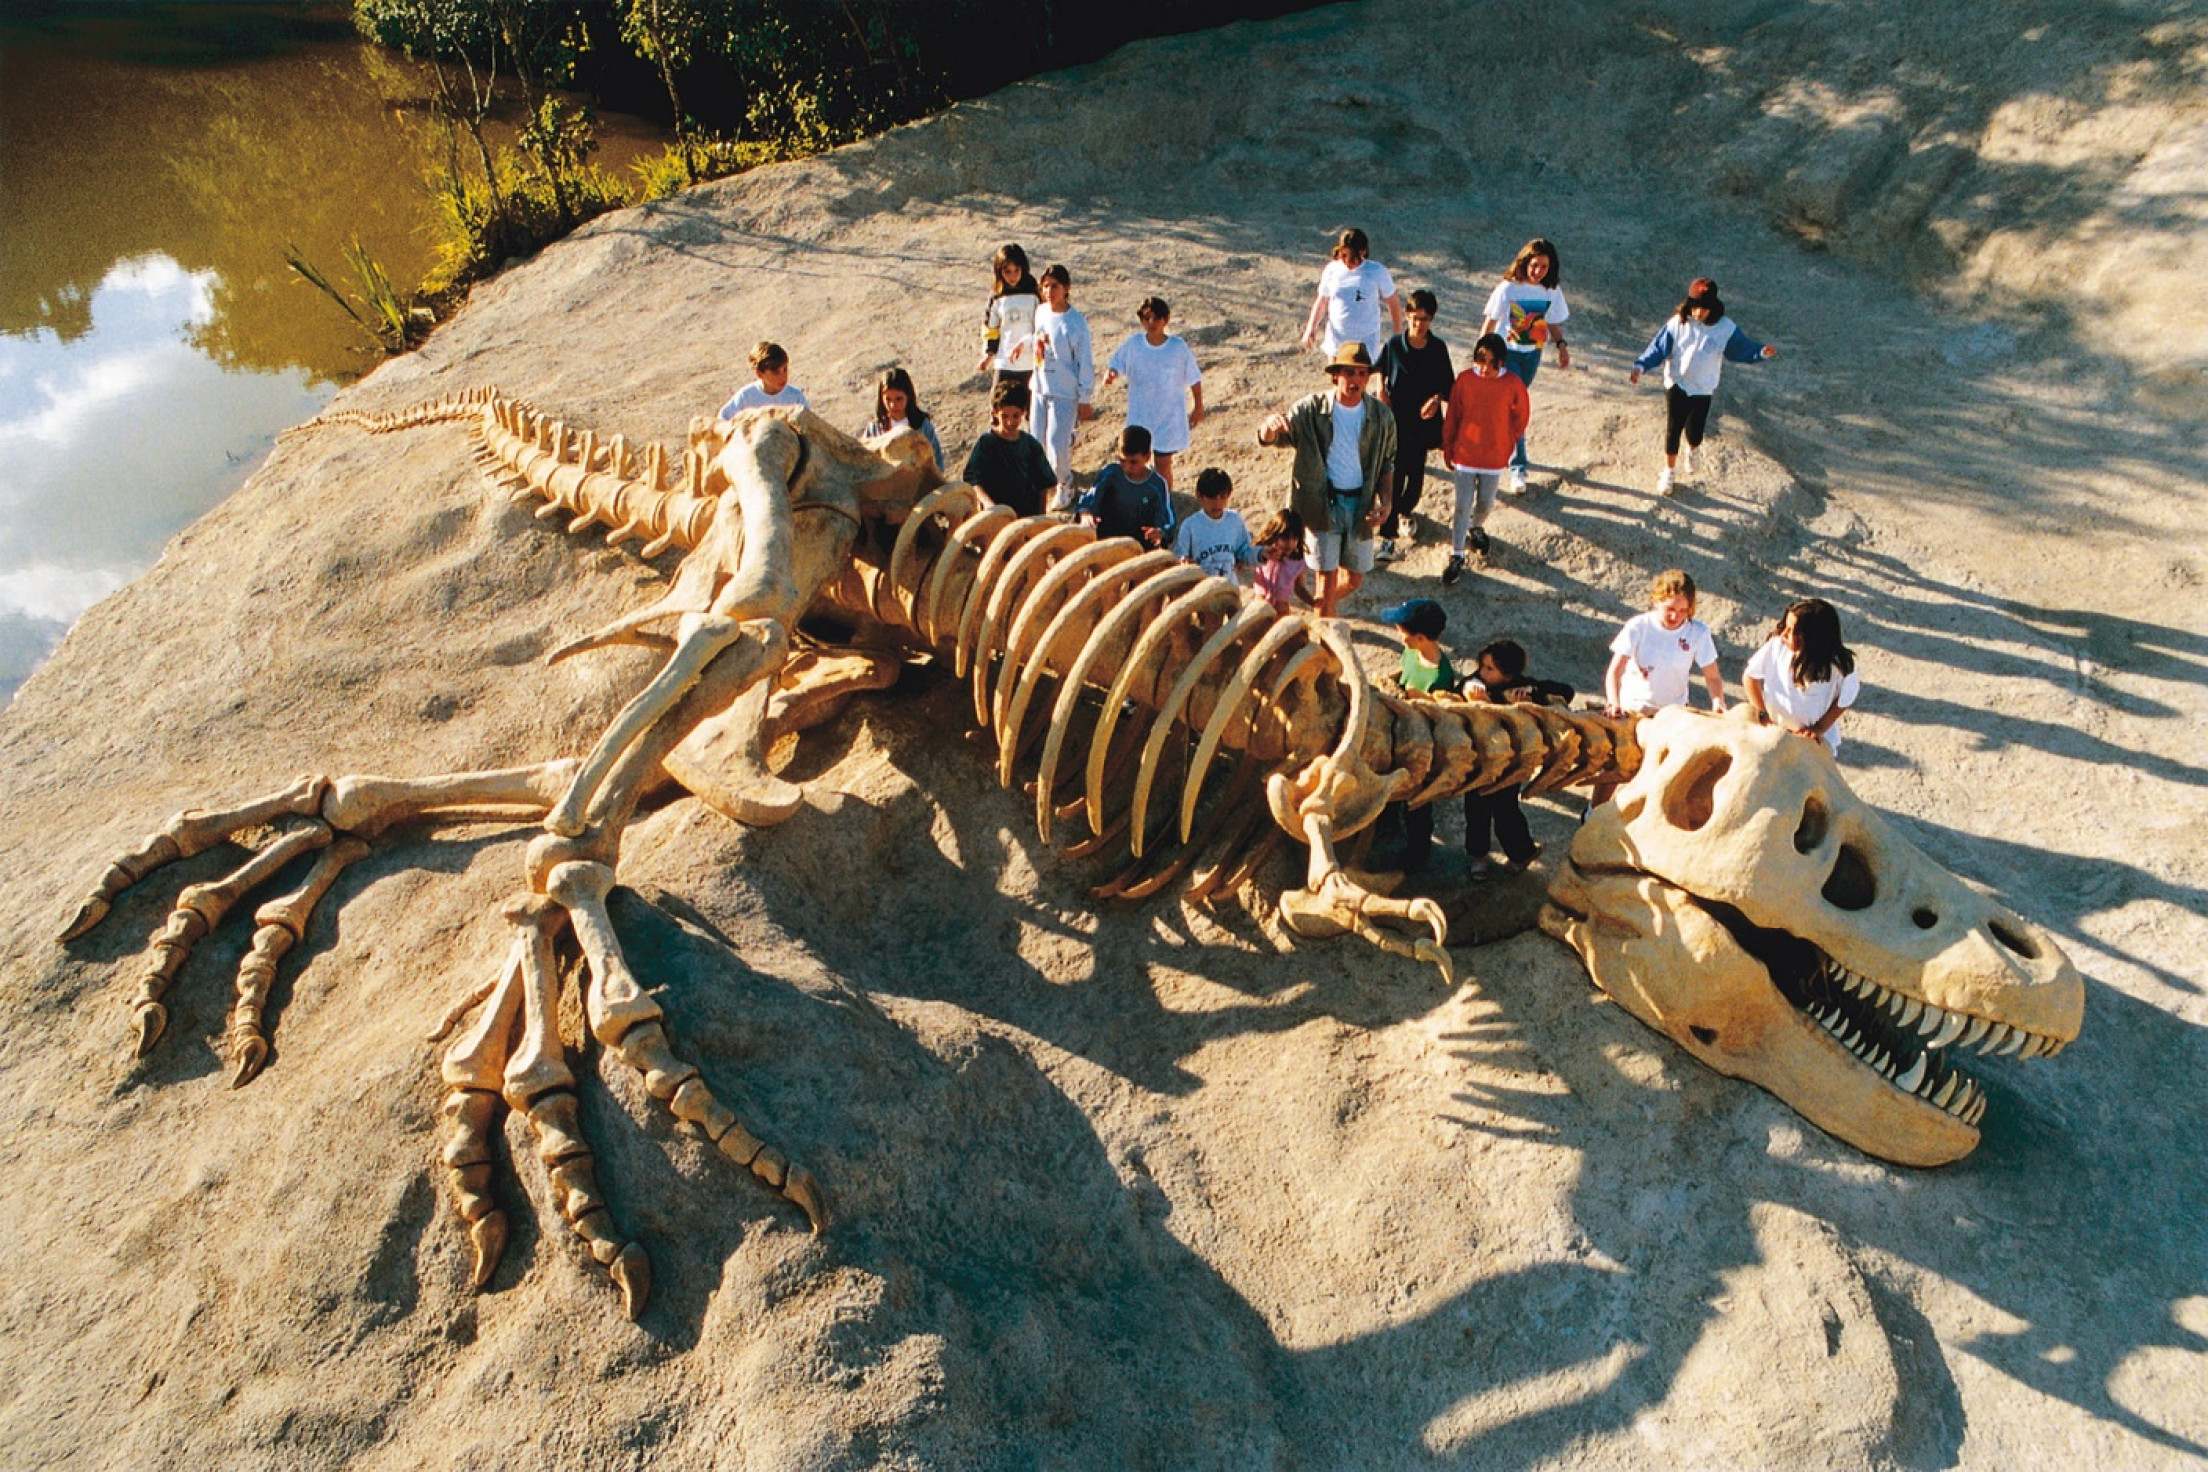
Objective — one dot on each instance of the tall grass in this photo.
(392, 322)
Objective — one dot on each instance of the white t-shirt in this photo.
(1523, 313)
(1800, 705)
(752, 396)
(1218, 547)
(1013, 315)
(1353, 300)
(1344, 471)
(1158, 381)
(1660, 659)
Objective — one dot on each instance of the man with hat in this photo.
(1344, 472)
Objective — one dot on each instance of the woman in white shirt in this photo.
(1352, 290)
(1803, 678)
(1527, 306)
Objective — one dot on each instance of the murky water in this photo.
(154, 163)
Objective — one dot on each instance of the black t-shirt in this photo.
(1414, 375)
(1015, 472)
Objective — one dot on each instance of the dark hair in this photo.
(1493, 345)
(768, 355)
(1010, 395)
(1701, 296)
(1353, 242)
(1422, 300)
(1214, 482)
(1538, 246)
(1059, 274)
(900, 380)
(1011, 255)
(1817, 633)
(1134, 440)
(1282, 523)
(1155, 306)
(1509, 656)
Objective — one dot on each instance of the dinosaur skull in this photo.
(1738, 898)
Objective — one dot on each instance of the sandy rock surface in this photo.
(1153, 1187)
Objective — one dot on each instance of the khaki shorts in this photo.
(1325, 551)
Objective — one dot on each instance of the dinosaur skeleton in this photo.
(1102, 669)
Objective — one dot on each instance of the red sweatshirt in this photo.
(1484, 419)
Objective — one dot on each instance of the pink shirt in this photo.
(1276, 581)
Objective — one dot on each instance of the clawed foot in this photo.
(1340, 905)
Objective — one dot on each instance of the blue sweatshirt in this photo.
(1694, 353)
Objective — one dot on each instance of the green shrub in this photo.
(667, 172)
(478, 231)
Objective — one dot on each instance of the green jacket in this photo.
(1311, 432)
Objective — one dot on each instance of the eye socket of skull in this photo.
(1816, 822)
(1851, 885)
(1690, 797)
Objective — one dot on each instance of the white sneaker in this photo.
(1386, 551)
(1517, 481)
(1664, 482)
(1686, 461)
(1063, 498)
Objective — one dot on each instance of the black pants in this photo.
(1410, 483)
(1500, 812)
(1496, 813)
(1686, 411)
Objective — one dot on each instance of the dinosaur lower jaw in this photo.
(1908, 1042)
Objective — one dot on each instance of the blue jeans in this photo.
(1525, 365)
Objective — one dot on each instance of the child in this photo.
(1065, 378)
(1215, 538)
(1693, 347)
(1425, 669)
(1414, 374)
(770, 369)
(1007, 462)
(1529, 300)
(897, 407)
(1500, 678)
(1280, 568)
(1803, 676)
(1008, 322)
(1159, 370)
(1652, 654)
(1487, 415)
(1352, 289)
(1128, 499)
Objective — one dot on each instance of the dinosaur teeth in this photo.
(1950, 1029)
(1930, 1022)
(1976, 1030)
(1996, 1035)
(1977, 1110)
(1908, 1082)
(1947, 1090)
(2015, 1040)
(1910, 1013)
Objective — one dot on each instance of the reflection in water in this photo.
(154, 163)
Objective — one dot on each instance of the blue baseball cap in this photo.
(1417, 616)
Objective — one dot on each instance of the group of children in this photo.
(1359, 473)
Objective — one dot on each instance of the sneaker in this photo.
(1686, 461)
(1480, 868)
(1517, 480)
(1480, 543)
(1063, 498)
(1664, 482)
(1453, 571)
(1520, 866)
(1386, 551)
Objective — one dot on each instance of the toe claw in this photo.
(801, 1187)
(488, 1237)
(632, 1274)
(91, 913)
(249, 1054)
(153, 1020)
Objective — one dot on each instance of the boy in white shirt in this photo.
(1165, 392)
(770, 384)
(1215, 538)
(1653, 654)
